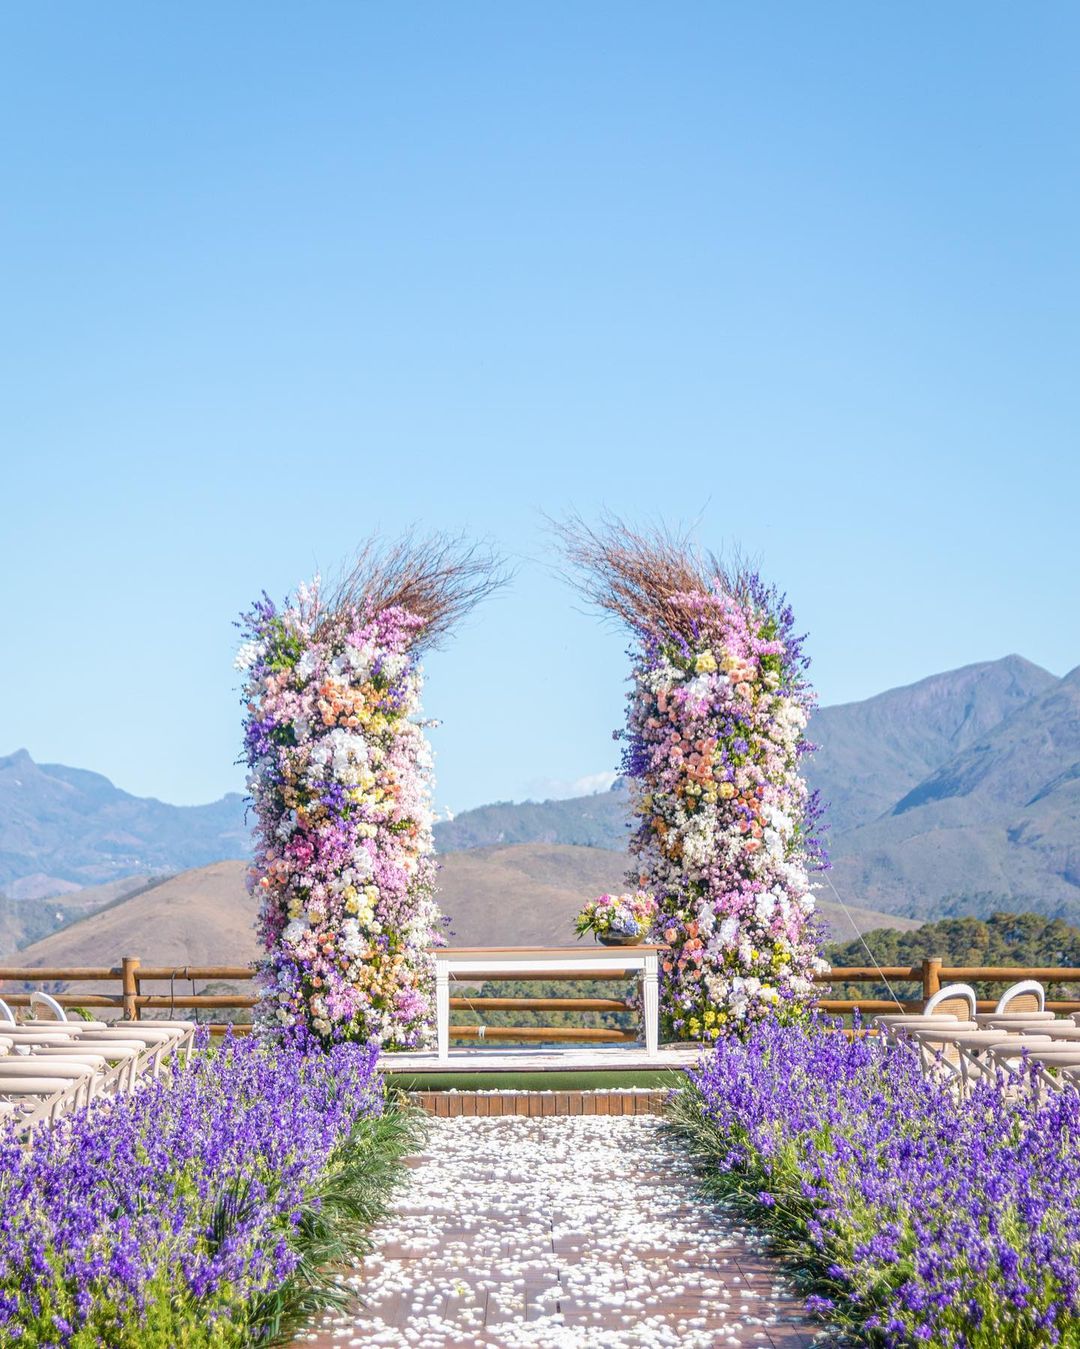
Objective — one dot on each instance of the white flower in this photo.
(307, 664)
(699, 693)
(352, 943)
(294, 931)
(247, 655)
(393, 665)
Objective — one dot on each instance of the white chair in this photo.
(1052, 1059)
(1026, 996)
(952, 1006)
(956, 1000)
(960, 1055)
(1033, 1024)
(52, 1007)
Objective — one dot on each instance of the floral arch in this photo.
(727, 831)
(340, 776)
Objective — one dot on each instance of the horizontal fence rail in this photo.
(139, 988)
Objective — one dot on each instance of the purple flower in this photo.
(928, 1218)
(179, 1195)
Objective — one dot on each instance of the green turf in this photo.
(537, 1081)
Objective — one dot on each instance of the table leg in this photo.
(442, 1009)
(651, 1004)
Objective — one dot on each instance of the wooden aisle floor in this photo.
(560, 1232)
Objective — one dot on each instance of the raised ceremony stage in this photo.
(549, 1077)
(556, 1080)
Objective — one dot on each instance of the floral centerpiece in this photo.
(341, 781)
(715, 731)
(617, 920)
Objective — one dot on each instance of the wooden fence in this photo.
(162, 990)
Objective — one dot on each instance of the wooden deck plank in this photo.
(499, 1228)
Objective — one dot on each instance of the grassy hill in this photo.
(520, 895)
(27, 917)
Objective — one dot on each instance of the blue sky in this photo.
(274, 276)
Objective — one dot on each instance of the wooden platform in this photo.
(573, 1058)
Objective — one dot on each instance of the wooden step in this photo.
(624, 1101)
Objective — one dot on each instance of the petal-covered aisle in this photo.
(563, 1231)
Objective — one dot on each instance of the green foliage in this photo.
(1026, 939)
(332, 1231)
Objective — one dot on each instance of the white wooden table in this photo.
(521, 962)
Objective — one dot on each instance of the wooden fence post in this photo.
(931, 977)
(129, 973)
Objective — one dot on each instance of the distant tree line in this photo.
(548, 988)
(1029, 939)
(1026, 939)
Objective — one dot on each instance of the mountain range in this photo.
(66, 826)
(956, 794)
(959, 793)
(982, 812)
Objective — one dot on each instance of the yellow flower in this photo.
(705, 663)
(727, 790)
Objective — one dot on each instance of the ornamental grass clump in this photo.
(922, 1219)
(727, 827)
(202, 1211)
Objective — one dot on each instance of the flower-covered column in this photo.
(715, 731)
(341, 782)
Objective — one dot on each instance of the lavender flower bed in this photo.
(923, 1220)
(200, 1211)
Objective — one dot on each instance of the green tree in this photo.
(1025, 939)
(548, 988)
